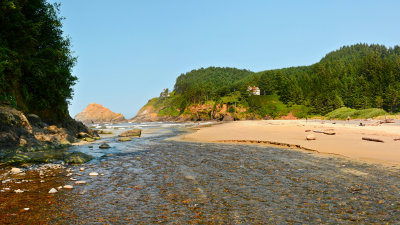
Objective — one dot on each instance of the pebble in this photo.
(82, 169)
(69, 174)
(16, 170)
(42, 181)
(68, 187)
(18, 191)
(72, 178)
(26, 209)
(102, 174)
(189, 178)
(52, 191)
(60, 187)
(80, 182)
(93, 174)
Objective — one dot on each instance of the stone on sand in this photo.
(311, 137)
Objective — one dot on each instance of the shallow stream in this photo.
(153, 180)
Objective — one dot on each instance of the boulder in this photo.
(77, 158)
(104, 145)
(35, 121)
(131, 133)
(81, 135)
(88, 139)
(52, 129)
(311, 137)
(124, 139)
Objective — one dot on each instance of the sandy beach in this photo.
(347, 140)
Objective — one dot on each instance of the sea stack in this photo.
(96, 113)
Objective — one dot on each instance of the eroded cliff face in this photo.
(146, 114)
(201, 112)
(96, 113)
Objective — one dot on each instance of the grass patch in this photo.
(344, 112)
(267, 105)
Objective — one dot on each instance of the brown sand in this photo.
(346, 142)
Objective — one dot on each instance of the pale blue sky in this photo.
(128, 51)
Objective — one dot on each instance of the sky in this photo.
(129, 51)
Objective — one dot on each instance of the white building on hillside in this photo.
(253, 90)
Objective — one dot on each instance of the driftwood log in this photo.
(372, 139)
(318, 131)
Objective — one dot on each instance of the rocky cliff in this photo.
(96, 113)
(26, 138)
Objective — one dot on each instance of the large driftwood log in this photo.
(372, 139)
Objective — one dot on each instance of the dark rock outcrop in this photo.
(26, 138)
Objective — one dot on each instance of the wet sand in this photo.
(347, 140)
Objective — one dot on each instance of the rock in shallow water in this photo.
(77, 158)
(93, 174)
(124, 139)
(104, 145)
(68, 187)
(131, 133)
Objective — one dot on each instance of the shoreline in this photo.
(291, 134)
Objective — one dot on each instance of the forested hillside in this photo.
(35, 59)
(360, 76)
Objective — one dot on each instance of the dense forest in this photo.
(35, 59)
(359, 77)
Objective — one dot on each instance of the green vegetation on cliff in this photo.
(359, 77)
(35, 59)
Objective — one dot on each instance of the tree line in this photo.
(35, 59)
(359, 76)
